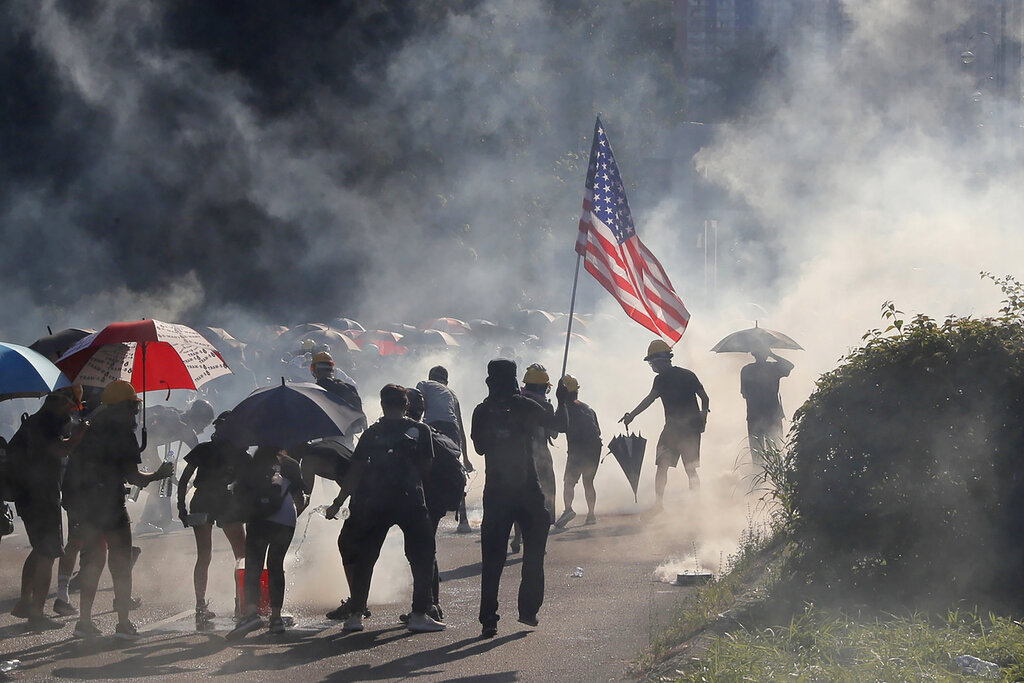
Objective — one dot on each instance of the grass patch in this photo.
(829, 645)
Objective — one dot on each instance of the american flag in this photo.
(614, 254)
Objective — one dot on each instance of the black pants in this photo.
(362, 538)
(266, 543)
(502, 507)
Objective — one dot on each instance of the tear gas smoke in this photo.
(243, 170)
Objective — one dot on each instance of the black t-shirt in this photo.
(678, 388)
(502, 430)
(99, 466)
(759, 384)
(217, 465)
(579, 423)
(36, 462)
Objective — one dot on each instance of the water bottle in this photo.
(165, 484)
(972, 666)
(321, 510)
(577, 573)
(9, 665)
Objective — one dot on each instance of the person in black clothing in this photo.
(326, 375)
(678, 389)
(385, 481)
(503, 430)
(759, 385)
(94, 490)
(36, 452)
(583, 438)
(270, 491)
(216, 465)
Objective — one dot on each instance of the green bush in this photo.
(906, 462)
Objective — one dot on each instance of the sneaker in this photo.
(86, 629)
(43, 623)
(246, 626)
(342, 612)
(529, 620)
(203, 612)
(20, 610)
(591, 519)
(566, 517)
(126, 631)
(64, 608)
(353, 623)
(489, 631)
(277, 625)
(421, 623)
(435, 613)
(404, 618)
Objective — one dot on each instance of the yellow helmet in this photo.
(571, 384)
(322, 357)
(118, 391)
(658, 349)
(536, 374)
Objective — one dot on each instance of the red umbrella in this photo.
(150, 354)
(387, 343)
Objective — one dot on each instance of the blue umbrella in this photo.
(288, 415)
(25, 373)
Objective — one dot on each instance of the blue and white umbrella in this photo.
(25, 373)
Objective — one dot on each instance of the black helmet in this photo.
(200, 412)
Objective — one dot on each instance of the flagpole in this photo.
(572, 307)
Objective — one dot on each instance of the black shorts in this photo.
(676, 442)
(220, 506)
(582, 463)
(45, 531)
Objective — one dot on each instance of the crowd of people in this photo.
(407, 469)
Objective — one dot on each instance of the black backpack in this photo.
(445, 487)
(8, 484)
(258, 495)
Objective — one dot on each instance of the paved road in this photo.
(591, 627)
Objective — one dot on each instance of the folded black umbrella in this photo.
(628, 449)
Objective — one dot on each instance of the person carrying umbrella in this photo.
(679, 389)
(389, 464)
(578, 422)
(37, 452)
(94, 489)
(270, 490)
(759, 385)
(329, 377)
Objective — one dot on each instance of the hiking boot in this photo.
(343, 611)
(489, 631)
(421, 623)
(42, 623)
(247, 625)
(86, 629)
(21, 610)
(64, 608)
(353, 623)
(126, 631)
(591, 519)
(529, 620)
(566, 517)
(277, 625)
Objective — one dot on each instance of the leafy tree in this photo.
(906, 471)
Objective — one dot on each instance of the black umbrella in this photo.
(287, 415)
(628, 449)
(54, 345)
(753, 339)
